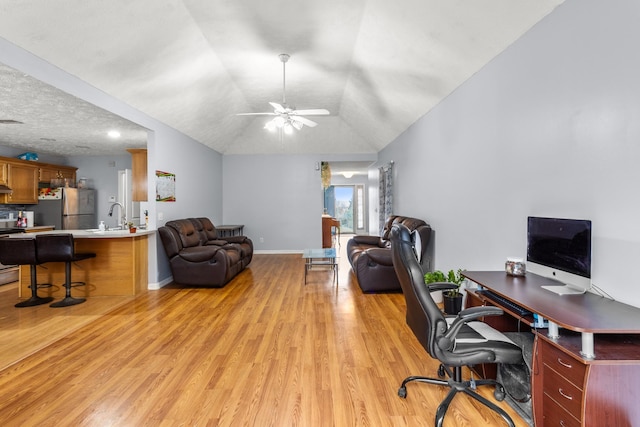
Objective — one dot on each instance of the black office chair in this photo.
(444, 339)
(22, 251)
(60, 248)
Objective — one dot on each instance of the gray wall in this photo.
(278, 198)
(549, 128)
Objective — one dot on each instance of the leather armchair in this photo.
(370, 256)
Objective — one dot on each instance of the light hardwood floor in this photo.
(265, 350)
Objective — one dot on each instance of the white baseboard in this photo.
(157, 285)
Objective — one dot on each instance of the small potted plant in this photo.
(452, 298)
(132, 228)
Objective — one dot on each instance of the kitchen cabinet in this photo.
(3, 173)
(22, 178)
(48, 172)
(139, 174)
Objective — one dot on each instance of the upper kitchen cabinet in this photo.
(3, 172)
(139, 174)
(22, 178)
(49, 172)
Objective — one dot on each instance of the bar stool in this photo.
(60, 248)
(22, 251)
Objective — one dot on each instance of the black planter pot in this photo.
(452, 304)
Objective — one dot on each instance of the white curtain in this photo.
(385, 192)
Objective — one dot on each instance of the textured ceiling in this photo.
(376, 65)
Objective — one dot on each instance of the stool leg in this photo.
(35, 299)
(68, 299)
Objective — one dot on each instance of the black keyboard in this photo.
(503, 302)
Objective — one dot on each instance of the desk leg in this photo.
(588, 350)
(553, 330)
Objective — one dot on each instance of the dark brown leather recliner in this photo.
(197, 256)
(370, 256)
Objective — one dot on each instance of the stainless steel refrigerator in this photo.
(72, 209)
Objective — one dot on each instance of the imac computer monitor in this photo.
(560, 249)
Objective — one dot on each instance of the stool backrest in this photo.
(20, 251)
(54, 247)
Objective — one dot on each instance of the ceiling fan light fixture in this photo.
(288, 118)
(279, 121)
(288, 129)
(270, 126)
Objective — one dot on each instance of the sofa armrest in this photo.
(366, 240)
(199, 253)
(380, 256)
(236, 239)
(216, 242)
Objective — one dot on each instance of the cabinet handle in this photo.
(562, 424)
(566, 365)
(566, 396)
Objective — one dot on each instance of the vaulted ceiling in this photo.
(376, 65)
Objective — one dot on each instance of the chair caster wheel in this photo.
(498, 393)
(441, 371)
(402, 392)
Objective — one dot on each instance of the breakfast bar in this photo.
(119, 268)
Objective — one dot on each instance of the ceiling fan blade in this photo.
(279, 108)
(255, 114)
(303, 120)
(314, 112)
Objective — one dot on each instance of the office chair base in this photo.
(33, 301)
(68, 301)
(466, 387)
(402, 391)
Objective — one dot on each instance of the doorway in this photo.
(346, 204)
(345, 197)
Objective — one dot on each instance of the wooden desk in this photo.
(568, 387)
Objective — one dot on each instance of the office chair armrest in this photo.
(464, 317)
(441, 286)
(473, 313)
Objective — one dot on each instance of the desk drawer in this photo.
(556, 416)
(562, 391)
(565, 365)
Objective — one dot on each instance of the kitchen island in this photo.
(120, 267)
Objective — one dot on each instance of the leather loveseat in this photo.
(198, 256)
(370, 256)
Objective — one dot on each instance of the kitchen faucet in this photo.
(123, 215)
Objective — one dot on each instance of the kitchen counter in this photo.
(89, 234)
(120, 267)
(37, 228)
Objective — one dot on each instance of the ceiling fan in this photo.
(287, 118)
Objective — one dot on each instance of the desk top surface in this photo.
(582, 313)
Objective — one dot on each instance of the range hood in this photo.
(4, 189)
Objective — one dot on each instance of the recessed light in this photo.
(114, 134)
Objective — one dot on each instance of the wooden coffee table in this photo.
(320, 258)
